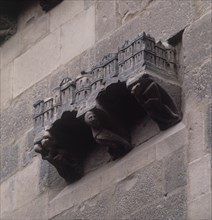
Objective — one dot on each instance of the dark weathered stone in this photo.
(171, 207)
(175, 170)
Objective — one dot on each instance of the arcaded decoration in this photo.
(100, 107)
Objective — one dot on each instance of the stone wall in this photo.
(168, 176)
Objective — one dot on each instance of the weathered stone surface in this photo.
(77, 35)
(175, 170)
(6, 85)
(11, 49)
(36, 29)
(176, 139)
(208, 120)
(7, 198)
(96, 208)
(88, 3)
(197, 47)
(36, 63)
(200, 8)
(143, 131)
(127, 10)
(196, 131)
(199, 177)
(200, 208)
(25, 145)
(197, 84)
(36, 209)
(9, 160)
(143, 187)
(26, 183)
(13, 127)
(75, 194)
(64, 12)
(171, 207)
(105, 18)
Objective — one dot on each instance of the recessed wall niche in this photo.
(103, 114)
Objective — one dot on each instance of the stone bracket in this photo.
(99, 107)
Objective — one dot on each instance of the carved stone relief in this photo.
(99, 107)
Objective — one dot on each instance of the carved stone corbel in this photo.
(156, 102)
(100, 107)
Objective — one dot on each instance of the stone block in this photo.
(127, 10)
(75, 194)
(36, 29)
(135, 160)
(196, 130)
(175, 170)
(177, 139)
(26, 144)
(36, 209)
(17, 119)
(143, 131)
(88, 3)
(27, 184)
(200, 7)
(105, 18)
(64, 12)
(197, 47)
(141, 188)
(200, 208)
(11, 49)
(197, 85)
(36, 63)
(77, 35)
(95, 208)
(9, 160)
(6, 85)
(199, 177)
(171, 207)
(208, 121)
(7, 198)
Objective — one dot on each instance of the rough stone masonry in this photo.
(167, 175)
